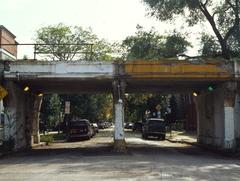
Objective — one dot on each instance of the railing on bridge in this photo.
(40, 51)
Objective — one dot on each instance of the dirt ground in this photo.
(95, 160)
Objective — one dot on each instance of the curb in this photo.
(182, 141)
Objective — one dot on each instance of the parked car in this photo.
(95, 128)
(154, 127)
(80, 128)
(107, 124)
(101, 125)
(137, 127)
(128, 125)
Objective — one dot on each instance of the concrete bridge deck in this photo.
(76, 76)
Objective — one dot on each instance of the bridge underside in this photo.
(68, 86)
(168, 86)
(217, 114)
(106, 85)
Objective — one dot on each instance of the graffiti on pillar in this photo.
(9, 129)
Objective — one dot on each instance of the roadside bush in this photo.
(47, 139)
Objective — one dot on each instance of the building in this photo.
(7, 52)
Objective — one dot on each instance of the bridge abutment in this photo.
(215, 115)
(21, 118)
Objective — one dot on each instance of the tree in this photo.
(62, 42)
(209, 46)
(151, 45)
(90, 106)
(135, 106)
(50, 110)
(222, 15)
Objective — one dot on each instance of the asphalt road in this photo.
(96, 160)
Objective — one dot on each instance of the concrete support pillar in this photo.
(237, 118)
(118, 101)
(18, 122)
(229, 124)
(215, 115)
(205, 120)
(35, 119)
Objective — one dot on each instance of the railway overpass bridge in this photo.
(218, 111)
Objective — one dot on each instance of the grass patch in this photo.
(60, 136)
(49, 138)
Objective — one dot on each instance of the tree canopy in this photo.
(62, 42)
(222, 15)
(95, 107)
(209, 46)
(151, 45)
(51, 110)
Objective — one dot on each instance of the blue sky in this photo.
(112, 20)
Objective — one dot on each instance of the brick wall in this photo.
(7, 37)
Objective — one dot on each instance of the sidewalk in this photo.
(182, 137)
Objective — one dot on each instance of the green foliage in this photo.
(234, 43)
(168, 10)
(61, 36)
(222, 15)
(151, 45)
(90, 106)
(175, 44)
(52, 137)
(51, 110)
(210, 46)
(47, 139)
(101, 51)
(137, 104)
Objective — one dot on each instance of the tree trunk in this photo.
(222, 41)
(225, 50)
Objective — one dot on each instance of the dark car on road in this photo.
(80, 128)
(101, 125)
(137, 127)
(155, 127)
(128, 125)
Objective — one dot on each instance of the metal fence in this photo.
(67, 51)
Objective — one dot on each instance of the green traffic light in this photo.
(210, 88)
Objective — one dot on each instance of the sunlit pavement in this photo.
(95, 160)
